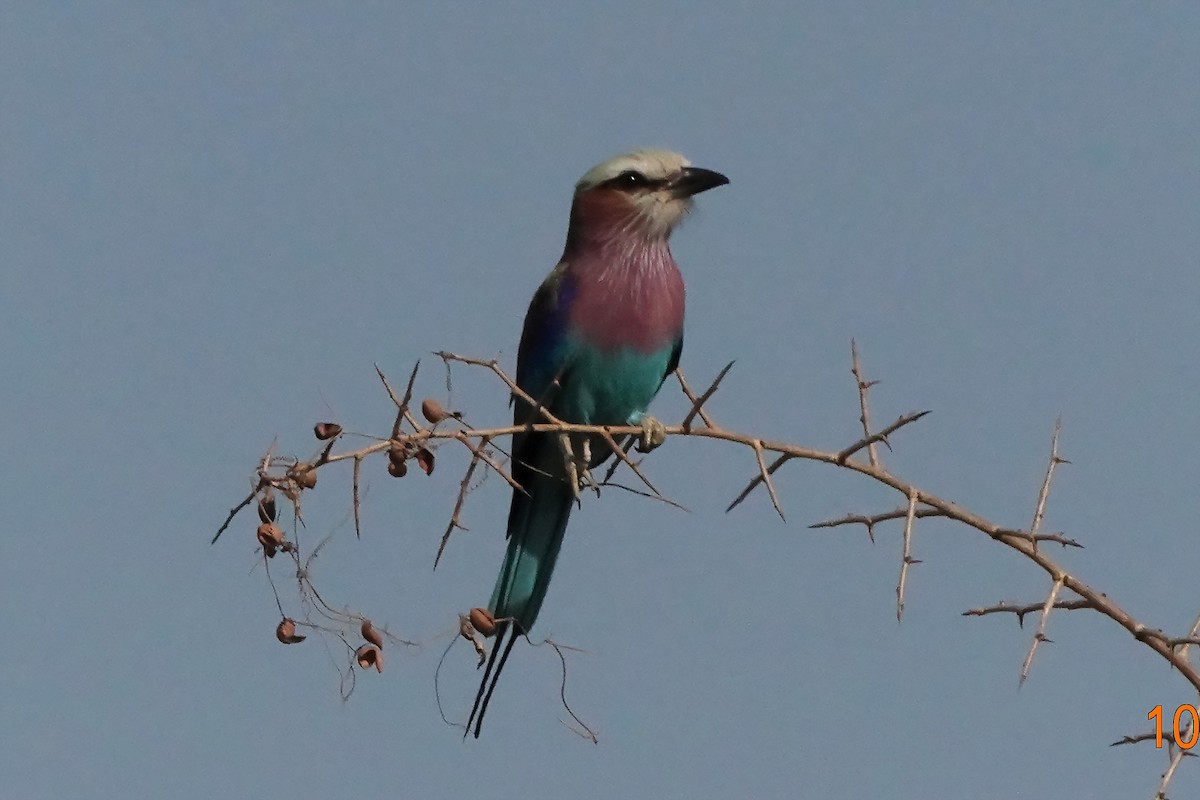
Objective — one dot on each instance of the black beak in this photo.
(694, 180)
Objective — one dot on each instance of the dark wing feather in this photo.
(537, 369)
(673, 362)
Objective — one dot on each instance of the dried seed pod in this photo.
(397, 453)
(271, 533)
(370, 634)
(369, 656)
(305, 477)
(397, 469)
(425, 460)
(483, 621)
(326, 430)
(285, 632)
(266, 507)
(432, 410)
(270, 536)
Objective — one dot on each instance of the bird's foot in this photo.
(587, 481)
(583, 468)
(570, 462)
(654, 433)
(579, 473)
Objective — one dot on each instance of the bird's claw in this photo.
(654, 433)
(579, 473)
(583, 468)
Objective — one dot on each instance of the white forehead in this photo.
(654, 164)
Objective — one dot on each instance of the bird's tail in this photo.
(536, 524)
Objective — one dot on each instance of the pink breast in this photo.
(633, 301)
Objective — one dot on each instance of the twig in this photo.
(1167, 736)
(687, 392)
(617, 462)
(758, 479)
(260, 483)
(648, 495)
(1021, 611)
(354, 492)
(562, 693)
(1043, 493)
(437, 672)
(401, 405)
(1176, 760)
(623, 456)
(517, 391)
(765, 475)
(233, 512)
(864, 415)
(480, 452)
(844, 455)
(463, 486)
(698, 402)
(1190, 639)
(869, 522)
(1040, 636)
(907, 560)
(1034, 538)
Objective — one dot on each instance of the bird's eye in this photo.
(630, 178)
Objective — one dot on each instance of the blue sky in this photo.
(214, 218)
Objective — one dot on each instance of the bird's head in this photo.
(643, 194)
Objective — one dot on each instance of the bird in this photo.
(601, 335)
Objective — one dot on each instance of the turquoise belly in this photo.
(610, 388)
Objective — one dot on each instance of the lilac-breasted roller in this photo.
(601, 335)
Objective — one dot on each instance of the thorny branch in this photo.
(1040, 510)
(1040, 636)
(906, 559)
(410, 440)
(1021, 611)
(864, 413)
(869, 522)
